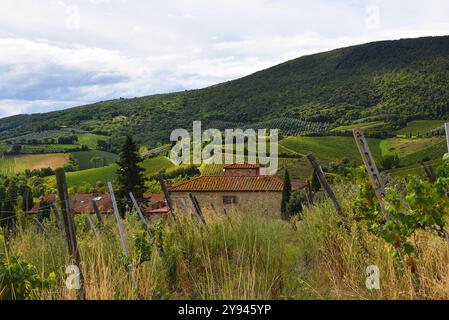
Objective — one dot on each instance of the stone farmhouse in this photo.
(240, 188)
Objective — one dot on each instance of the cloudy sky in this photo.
(56, 54)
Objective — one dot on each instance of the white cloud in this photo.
(14, 107)
(52, 57)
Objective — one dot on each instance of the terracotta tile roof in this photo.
(230, 183)
(82, 203)
(299, 184)
(242, 166)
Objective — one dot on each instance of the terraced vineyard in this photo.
(291, 127)
(327, 148)
(43, 135)
(50, 148)
(7, 166)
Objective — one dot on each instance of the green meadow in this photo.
(327, 148)
(84, 158)
(108, 173)
(420, 127)
(90, 140)
(365, 125)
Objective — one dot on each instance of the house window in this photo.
(229, 200)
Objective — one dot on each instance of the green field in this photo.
(327, 148)
(365, 125)
(420, 127)
(298, 168)
(413, 151)
(91, 176)
(108, 173)
(404, 147)
(83, 158)
(434, 152)
(90, 140)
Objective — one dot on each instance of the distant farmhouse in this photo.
(241, 188)
(153, 204)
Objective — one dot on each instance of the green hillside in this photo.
(108, 173)
(390, 81)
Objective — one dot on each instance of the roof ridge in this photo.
(229, 176)
(253, 182)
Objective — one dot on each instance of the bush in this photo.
(389, 162)
(19, 279)
(295, 205)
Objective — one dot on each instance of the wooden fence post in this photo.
(57, 216)
(309, 193)
(147, 225)
(168, 198)
(92, 225)
(40, 226)
(371, 167)
(69, 226)
(97, 213)
(446, 127)
(197, 209)
(122, 235)
(327, 188)
(141, 216)
(430, 172)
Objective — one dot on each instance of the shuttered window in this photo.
(229, 200)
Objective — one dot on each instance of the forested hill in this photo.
(389, 80)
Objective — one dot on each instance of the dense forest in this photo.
(393, 81)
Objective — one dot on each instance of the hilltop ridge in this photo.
(392, 81)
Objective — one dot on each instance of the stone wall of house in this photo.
(247, 202)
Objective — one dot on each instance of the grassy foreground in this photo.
(260, 257)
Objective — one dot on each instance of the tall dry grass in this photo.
(335, 260)
(241, 256)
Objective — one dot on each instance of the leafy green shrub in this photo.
(19, 279)
(424, 207)
(389, 162)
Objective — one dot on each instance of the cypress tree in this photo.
(286, 194)
(27, 198)
(131, 176)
